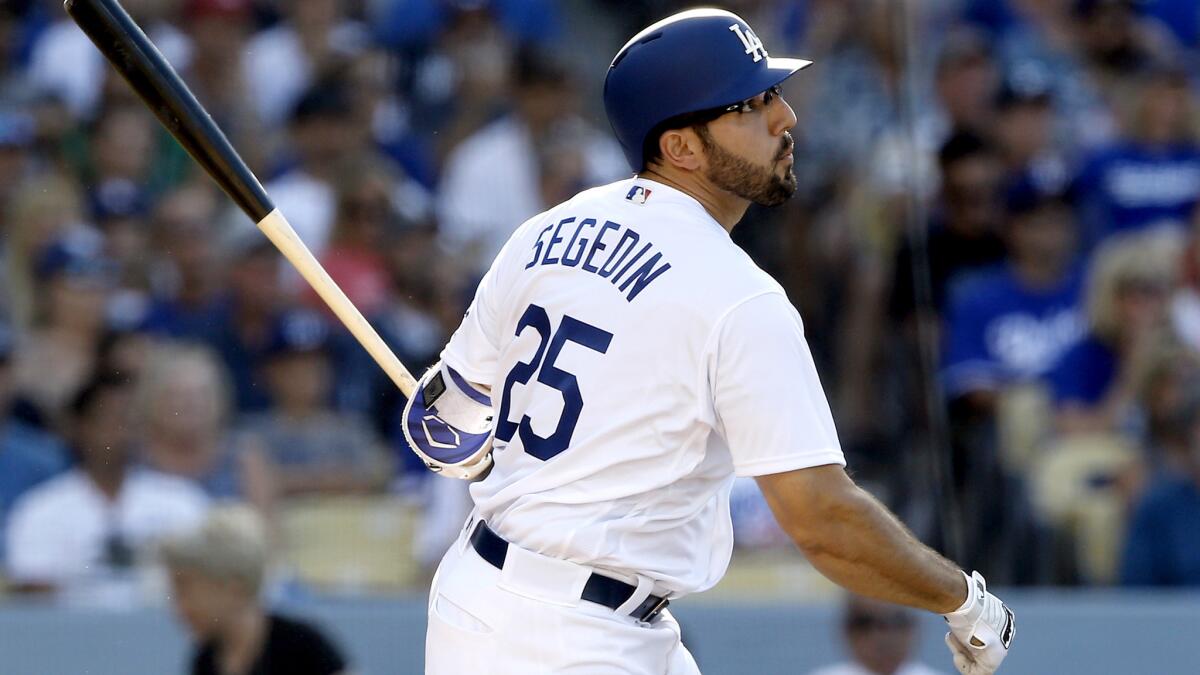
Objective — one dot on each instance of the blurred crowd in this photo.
(994, 247)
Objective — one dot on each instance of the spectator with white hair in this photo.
(185, 409)
(217, 572)
(1096, 382)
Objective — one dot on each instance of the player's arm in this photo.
(769, 406)
(857, 543)
(448, 419)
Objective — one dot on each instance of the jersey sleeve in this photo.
(767, 401)
(474, 348)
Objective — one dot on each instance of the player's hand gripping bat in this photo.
(133, 55)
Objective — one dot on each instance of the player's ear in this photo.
(680, 148)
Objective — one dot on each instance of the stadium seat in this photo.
(351, 544)
(1076, 489)
(1023, 423)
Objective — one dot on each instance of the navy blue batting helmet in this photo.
(692, 61)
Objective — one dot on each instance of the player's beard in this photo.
(753, 182)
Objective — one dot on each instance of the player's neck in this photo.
(725, 207)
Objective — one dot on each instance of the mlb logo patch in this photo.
(638, 194)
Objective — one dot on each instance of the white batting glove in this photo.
(980, 631)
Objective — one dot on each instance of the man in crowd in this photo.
(1162, 548)
(880, 638)
(314, 448)
(86, 530)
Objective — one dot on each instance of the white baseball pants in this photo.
(528, 619)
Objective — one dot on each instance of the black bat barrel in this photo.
(137, 59)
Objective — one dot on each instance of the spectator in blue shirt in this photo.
(1163, 547)
(1152, 176)
(1096, 384)
(1013, 322)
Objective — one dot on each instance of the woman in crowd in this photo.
(217, 572)
(1096, 385)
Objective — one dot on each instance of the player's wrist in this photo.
(965, 606)
(981, 630)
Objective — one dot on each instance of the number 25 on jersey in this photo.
(549, 347)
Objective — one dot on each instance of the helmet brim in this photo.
(786, 65)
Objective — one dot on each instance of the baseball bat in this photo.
(132, 54)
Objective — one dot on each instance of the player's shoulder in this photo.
(588, 199)
(605, 195)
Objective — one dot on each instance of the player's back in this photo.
(596, 330)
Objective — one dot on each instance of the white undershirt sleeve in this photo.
(767, 400)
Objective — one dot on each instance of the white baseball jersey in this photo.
(637, 360)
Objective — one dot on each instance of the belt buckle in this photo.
(648, 614)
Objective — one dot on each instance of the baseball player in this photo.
(621, 362)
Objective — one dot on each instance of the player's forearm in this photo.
(865, 549)
(855, 541)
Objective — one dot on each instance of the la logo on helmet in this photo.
(750, 41)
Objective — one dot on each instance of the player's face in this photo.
(749, 150)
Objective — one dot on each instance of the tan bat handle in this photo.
(280, 232)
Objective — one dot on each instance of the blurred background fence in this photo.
(1078, 633)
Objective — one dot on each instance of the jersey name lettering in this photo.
(609, 250)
